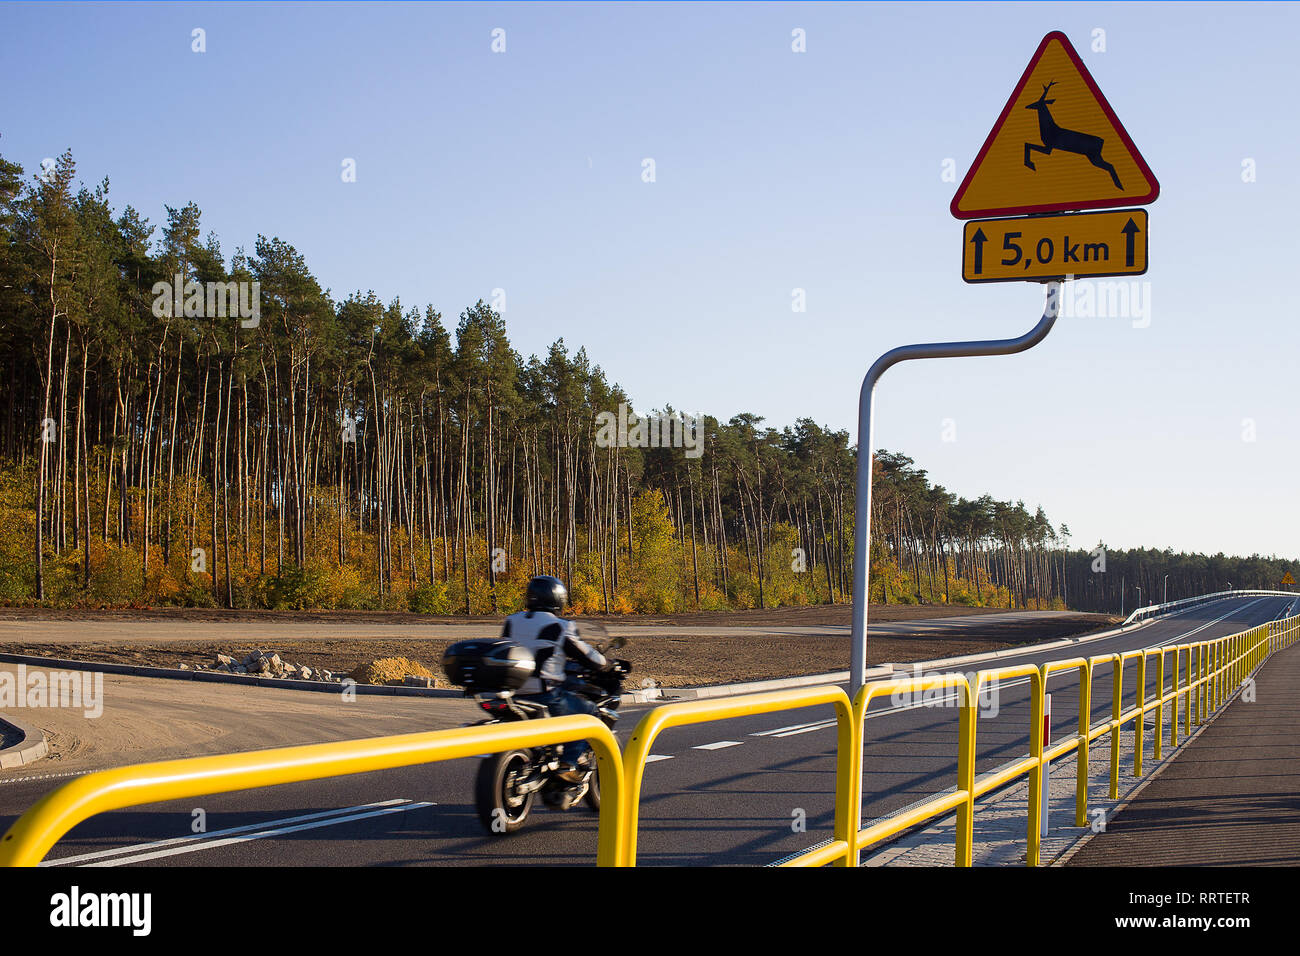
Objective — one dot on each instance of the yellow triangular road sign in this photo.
(1056, 146)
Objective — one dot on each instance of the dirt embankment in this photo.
(672, 658)
(812, 615)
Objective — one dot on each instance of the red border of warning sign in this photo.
(1059, 206)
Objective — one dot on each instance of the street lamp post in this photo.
(1164, 594)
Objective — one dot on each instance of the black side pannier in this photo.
(488, 665)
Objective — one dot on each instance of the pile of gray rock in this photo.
(266, 664)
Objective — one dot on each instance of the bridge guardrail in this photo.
(1154, 610)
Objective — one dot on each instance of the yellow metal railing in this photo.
(1212, 670)
(962, 799)
(839, 850)
(1203, 676)
(1031, 765)
(32, 834)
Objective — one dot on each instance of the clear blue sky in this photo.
(774, 170)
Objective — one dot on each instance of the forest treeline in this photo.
(355, 453)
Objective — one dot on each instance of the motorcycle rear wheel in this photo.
(592, 797)
(501, 808)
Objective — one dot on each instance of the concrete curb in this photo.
(31, 748)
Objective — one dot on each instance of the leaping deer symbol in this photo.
(1067, 140)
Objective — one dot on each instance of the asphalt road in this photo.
(723, 793)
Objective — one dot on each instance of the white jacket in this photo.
(553, 641)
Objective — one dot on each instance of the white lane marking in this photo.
(780, 730)
(654, 757)
(794, 729)
(1197, 630)
(718, 745)
(176, 841)
(808, 728)
(261, 835)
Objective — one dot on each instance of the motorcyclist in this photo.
(554, 641)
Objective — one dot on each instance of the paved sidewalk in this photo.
(1232, 798)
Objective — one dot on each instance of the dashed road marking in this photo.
(656, 757)
(807, 728)
(950, 696)
(780, 730)
(718, 745)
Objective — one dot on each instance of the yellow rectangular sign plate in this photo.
(1038, 248)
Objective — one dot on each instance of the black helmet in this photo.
(546, 593)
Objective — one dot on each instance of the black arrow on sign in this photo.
(1130, 231)
(979, 239)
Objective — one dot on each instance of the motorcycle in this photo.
(508, 784)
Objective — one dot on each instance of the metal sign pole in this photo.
(862, 506)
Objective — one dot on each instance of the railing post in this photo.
(1219, 675)
(1160, 698)
(1232, 667)
(1202, 686)
(1210, 675)
(1231, 661)
(1116, 708)
(966, 774)
(1228, 670)
(1141, 716)
(1207, 682)
(1037, 742)
(1081, 760)
(1214, 655)
(1226, 664)
(1173, 724)
(1220, 652)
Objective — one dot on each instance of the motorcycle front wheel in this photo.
(502, 808)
